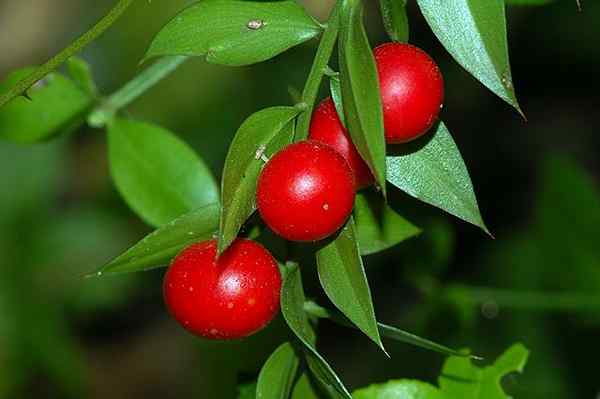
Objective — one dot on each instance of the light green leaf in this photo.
(431, 169)
(395, 19)
(81, 73)
(157, 174)
(336, 94)
(292, 307)
(474, 33)
(276, 378)
(461, 379)
(401, 389)
(379, 227)
(159, 247)
(360, 90)
(264, 132)
(56, 105)
(233, 32)
(304, 389)
(343, 278)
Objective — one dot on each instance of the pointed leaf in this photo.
(292, 307)
(304, 389)
(81, 73)
(159, 247)
(157, 174)
(379, 227)
(360, 90)
(54, 105)
(412, 339)
(263, 133)
(474, 33)
(233, 32)
(431, 169)
(461, 379)
(343, 278)
(401, 389)
(278, 374)
(336, 94)
(395, 19)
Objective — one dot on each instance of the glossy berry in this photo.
(306, 191)
(228, 298)
(326, 127)
(412, 91)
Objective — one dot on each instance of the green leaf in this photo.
(304, 389)
(343, 278)
(247, 391)
(379, 227)
(276, 378)
(360, 90)
(55, 105)
(401, 389)
(159, 247)
(157, 174)
(336, 94)
(81, 73)
(235, 32)
(461, 379)
(528, 2)
(395, 19)
(431, 169)
(474, 33)
(384, 330)
(264, 132)
(292, 307)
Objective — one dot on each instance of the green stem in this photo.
(525, 300)
(133, 89)
(318, 70)
(23, 85)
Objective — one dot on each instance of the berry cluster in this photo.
(304, 193)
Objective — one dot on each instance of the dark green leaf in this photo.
(264, 132)
(336, 94)
(378, 226)
(360, 90)
(55, 105)
(432, 170)
(401, 389)
(474, 33)
(81, 73)
(276, 378)
(343, 278)
(158, 175)
(292, 307)
(528, 2)
(235, 32)
(247, 391)
(461, 379)
(159, 247)
(395, 19)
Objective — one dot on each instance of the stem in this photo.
(538, 301)
(133, 89)
(317, 71)
(23, 85)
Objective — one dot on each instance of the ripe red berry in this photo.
(306, 191)
(412, 90)
(226, 298)
(326, 127)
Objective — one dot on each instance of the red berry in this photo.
(226, 298)
(306, 191)
(326, 127)
(412, 90)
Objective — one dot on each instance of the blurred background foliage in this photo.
(538, 281)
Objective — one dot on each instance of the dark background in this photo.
(63, 336)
